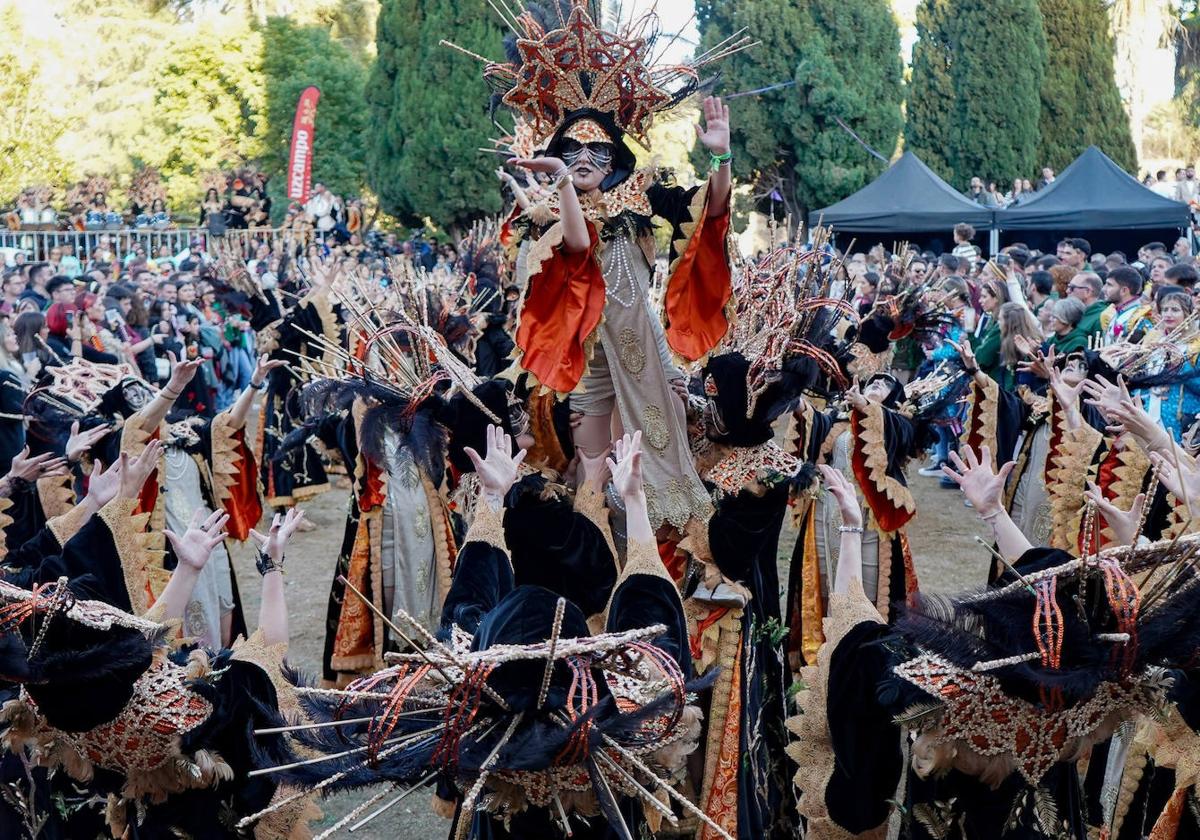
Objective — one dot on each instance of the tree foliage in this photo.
(207, 112)
(844, 61)
(975, 98)
(1081, 105)
(865, 88)
(28, 136)
(295, 57)
(429, 114)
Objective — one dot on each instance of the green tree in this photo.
(1081, 105)
(207, 111)
(428, 113)
(295, 57)
(28, 135)
(764, 151)
(975, 99)
(863, 87)
(844, 61)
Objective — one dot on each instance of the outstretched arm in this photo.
(160, 406)
(985, 490)
(241, 409)
(192, 550)
(714, 135)
(626, 469)
(850, 550)
(272, 612)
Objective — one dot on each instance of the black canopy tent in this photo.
(1097, 200)
(908, 202)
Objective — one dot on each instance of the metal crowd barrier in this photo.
(36, 244)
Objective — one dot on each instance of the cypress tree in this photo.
(861, 43)
(762, 141)
(1081, 105)
(428, 108)
(844, 60)
(975, 102)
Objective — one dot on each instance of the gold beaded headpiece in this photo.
(555, 71)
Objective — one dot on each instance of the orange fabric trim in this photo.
(1167, 825)
(148, 498)
(699, 289)
(812, 604)
(887, 513)
(563, 306)
(373, 494)
(721, 799)
(911, 587)
(673, 559)
(354, 643)
(244, 504)
(696, 640)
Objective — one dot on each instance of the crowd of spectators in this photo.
(1020, 305)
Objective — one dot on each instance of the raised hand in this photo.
(181, 375)
(843, 491)
(264, 366)
(1104, 395)
(1066, 394)
(1040, 365)
(46, 465)
(967, 354)
(135, 471)
(80, 442)
(203, 535)
(626, 467)
(714, 134)
(498, 471)
(982, 487)
(1184, 483)
(103, 484)
(1124, 523)
(549, 165)
(594, 468)
(856, 399)
(282, 529)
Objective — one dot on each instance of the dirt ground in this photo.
(941, 536)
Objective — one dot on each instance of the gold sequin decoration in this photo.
(629, 349)
(654, 428)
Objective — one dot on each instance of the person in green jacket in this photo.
(1088, 289)
(986, 341)
(1065, 335)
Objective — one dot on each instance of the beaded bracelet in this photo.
(266, 564)
(717, 161)
(850, 529)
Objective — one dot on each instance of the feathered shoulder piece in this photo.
(1038, 667)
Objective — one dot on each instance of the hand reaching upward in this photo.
(498, 471)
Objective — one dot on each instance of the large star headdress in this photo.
(579, 66)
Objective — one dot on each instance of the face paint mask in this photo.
(599, 156)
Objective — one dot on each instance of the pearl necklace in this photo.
(622, 267)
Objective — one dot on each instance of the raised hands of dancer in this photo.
(262, 367)
(982, 487)
(843, 491)
(593, 468)
(498, 471)
(135, 471)
(966, 353)
(202, 536)
(182, 374)
(27, 468)
(1124, 523)
(625, 465)
(1183, 481)
(283, 526)
(714, 133)
(1039, 364)
(1067, 396)
(1104, 395)
(80, 442)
